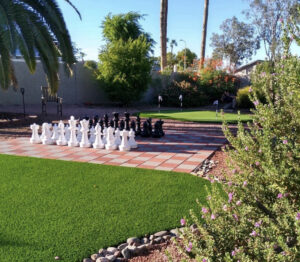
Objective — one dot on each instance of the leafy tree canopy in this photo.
(190, 56)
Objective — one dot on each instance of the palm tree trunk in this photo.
(163, 32)
(204, 33)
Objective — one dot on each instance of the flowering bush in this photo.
(259, 220)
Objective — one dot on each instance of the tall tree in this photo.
(190, 56)
(34, 26)
(204, 33)
(172, 44)
(163, 32)
(267, 15)
(236, 43)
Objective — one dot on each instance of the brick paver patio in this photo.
(182, 149)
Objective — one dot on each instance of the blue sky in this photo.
(184, 21)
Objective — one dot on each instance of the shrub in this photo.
(259, 220)
(243, 98)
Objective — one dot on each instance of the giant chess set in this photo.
(96, 133)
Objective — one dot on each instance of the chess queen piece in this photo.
(132, 142)
(46, 134)
(117, 137)
(55, 134)
(61, 139)
(124, 144)
(73, 129)
(110, 139)
(35, 138)
(84, 133)
(98, 139)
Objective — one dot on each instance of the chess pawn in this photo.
(92, 135)
(98, 139)
(110, 139)
(72, 130)
(55, 134)
(84, 133)
(35, 138)
(105, 135)
(117, 137)
(124, 144)
(46, 133)
(61, 139)
(67, 132)
(132, 142)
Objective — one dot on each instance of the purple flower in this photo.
(253, 233)
(250, 90)
(229, 183)
(204, 210)
(256, 102)
(285, 142)
(259, 151)
(245, 183)
(233, 253)
(258, 224)
(230, 196)
(225, 208)
(283, 253)
(182, 221)
(189, 247)
(280, 195)
(213, 217)
(235, 217)
(234, 171)
(239, 202)
(246, 148)
(298, 216)
(281, 20)
(257, 163)
(204, 260)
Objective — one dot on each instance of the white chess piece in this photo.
(78, 133)
(124, 144)
(92, 135)
(55, 134)
(84, 131)
(98, 139)
(67, 132)
(105, 135)
(61, 139)
(132, 142)
(35, 138)
(110, 139)
(73, 139)
(117, 137)
(46, 134)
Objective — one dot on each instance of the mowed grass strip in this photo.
(198, 116)
(54, 208)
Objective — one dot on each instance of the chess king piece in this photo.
(92, 135)
(138, 126)
(132, 142)
(117, 137)
(98, 139)
(84, 133)
(127, 120)
(124, 144)
(116, 120)
(73, 129)
(110, 139)
(46, 132)
(61, 139)
(55, 134)
(35, 138)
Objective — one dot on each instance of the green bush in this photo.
(259, 219)
(243, 98)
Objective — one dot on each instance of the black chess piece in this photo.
(101, 124)
(145, 132)
(122, 125)
(116, 120)
(90, 123)
(161, 131)
(106, 120)
(156, 132)
(96, 120)
(138, 126)
(86, 118)
(149, 120)
(132, 125)
(127, 120)
(111, 123)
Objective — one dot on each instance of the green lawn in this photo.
(198, 116)
(54, 208)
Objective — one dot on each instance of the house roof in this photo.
(248, 65)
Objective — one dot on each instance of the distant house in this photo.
(244, 72)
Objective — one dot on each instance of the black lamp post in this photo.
(23, 92)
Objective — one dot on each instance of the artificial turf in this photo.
(198, 116)
(54, 208)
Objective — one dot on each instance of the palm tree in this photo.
(204, 33)
(172, 44)
(32, 27)
(163, 32)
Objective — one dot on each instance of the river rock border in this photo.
(134, 246)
